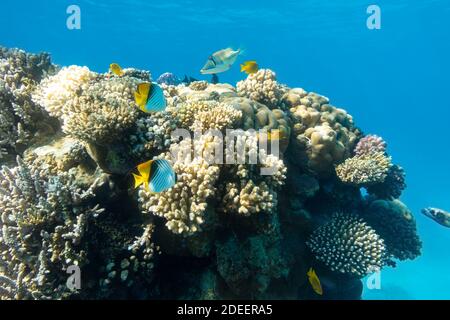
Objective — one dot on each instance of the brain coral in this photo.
(347, 245)
(262, 87)
(364, 170)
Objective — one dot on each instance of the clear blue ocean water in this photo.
(394, 81)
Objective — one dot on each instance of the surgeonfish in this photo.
(314, 281)
(116, 69)
(440, 216)
(150, 97)
(249, 67)
(156, 175)
(220, 61)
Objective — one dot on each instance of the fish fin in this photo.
(144, 169)
(138, 180)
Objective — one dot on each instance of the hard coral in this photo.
(348, 245)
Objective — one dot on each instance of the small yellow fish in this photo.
(275, 134)
(144, 174)
(116, 69)
(314, 281)
(249, 67)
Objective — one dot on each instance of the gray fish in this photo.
(440, 216)
(220, 61)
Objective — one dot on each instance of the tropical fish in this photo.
(440, 216)
(249, 67)
(116, 69)
(214, 79)
(150, 97)
(220, 61)
(155, 175)
(275, 134)
(188, 79)
(314, 281)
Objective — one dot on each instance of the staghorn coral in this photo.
(370, 144)
(392, 187)
(44, 220)
(323, 135)
(348, 245)
(394, 222)
(262, 87)
(364, 170)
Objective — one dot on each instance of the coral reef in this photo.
(241, 221)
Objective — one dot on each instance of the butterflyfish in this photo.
(156, 175)
(150, 97)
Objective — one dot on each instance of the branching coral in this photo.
(44, 219)
(103, 111)
(263, 87)
(220, 118)
(393, 221)
(184, 205)
(20, 118)
(370, 144)
(56, 91)
(324, 135)
(152, 133)
(347, 245)
(364, 170)
(392, 187)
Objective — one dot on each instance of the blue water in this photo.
(394, 81)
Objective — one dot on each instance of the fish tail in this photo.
(138, 180)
